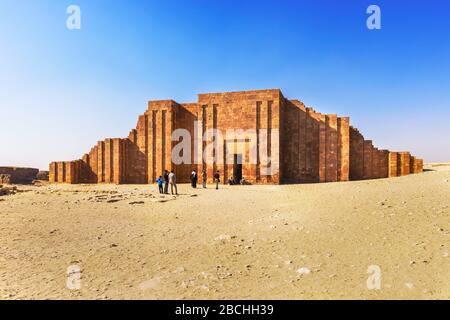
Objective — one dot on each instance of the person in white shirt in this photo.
(173, 182)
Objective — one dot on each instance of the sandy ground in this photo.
(250, 242)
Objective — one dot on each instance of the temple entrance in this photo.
(237, 168)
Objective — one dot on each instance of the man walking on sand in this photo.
(217, 179)
(173, 182)
(166, 182)
(204, 178)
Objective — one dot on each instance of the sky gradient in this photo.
(63, 90)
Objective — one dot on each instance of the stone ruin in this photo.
(304, 145)
(13, 175)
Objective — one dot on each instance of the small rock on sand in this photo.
(304, 271)
(224, 237)
(5, 191)
(136, 202)
(159, 200)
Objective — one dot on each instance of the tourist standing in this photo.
(173, 182)
(204, 178)
(217, 179)
(166, 182)
(194, 179)
(159, 181)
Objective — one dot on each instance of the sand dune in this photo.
(253, 242)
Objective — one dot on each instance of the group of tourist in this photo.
(194, 179)
(167, 179)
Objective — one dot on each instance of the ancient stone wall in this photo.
(276, 140)
(249, 123)
(18, 175)
(368, 162)
(393, 160)
(403, 164)
(416, 165)
(185, 120)
(356, 154)
(316, 147)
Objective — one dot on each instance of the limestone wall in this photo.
(18, 175)
(299, 144)
(250, 111)
(315, 146)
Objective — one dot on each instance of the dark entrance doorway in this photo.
(237, 168)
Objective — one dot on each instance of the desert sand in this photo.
(311, 241)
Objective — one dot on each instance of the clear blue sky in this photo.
(61, 90)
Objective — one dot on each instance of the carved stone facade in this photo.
(264, 137)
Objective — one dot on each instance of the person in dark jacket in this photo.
(194, 179)
(166, 182)
(217, 179)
